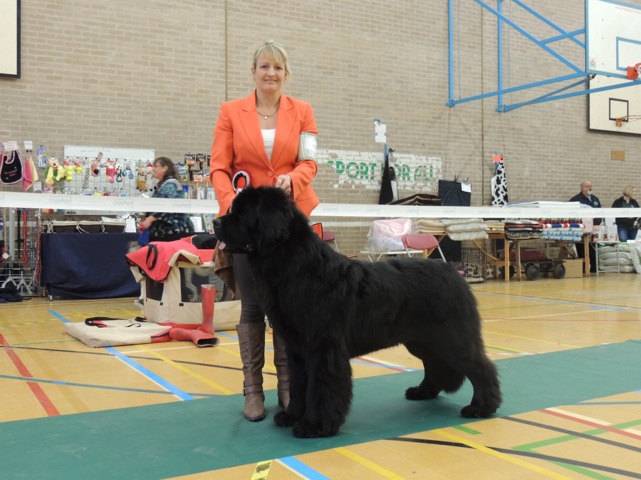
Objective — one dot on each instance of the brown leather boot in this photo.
(282, 373)
(251, 339)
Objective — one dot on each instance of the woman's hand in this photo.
(284, 182)
(146, 222)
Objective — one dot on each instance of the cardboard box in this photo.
(573, 268)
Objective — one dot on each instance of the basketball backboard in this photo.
(616, 110)
(10, 38)
(609, 43)
(613, 37)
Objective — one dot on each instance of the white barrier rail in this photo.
(82, 203)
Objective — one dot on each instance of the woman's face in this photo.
(159, 171)
(269, 75)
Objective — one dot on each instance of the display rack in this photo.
(20, 263)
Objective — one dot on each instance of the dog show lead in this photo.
(256, 142)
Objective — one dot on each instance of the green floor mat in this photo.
(183, 438)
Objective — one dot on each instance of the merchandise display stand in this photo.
(20, 265)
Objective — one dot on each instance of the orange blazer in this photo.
(238, 148)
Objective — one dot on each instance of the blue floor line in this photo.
(139, 368)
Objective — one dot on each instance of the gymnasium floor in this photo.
(568, 352)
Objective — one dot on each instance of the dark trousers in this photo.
(580, 250)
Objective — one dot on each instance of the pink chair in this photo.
(329, 237)
(326, 235)
(422, 241)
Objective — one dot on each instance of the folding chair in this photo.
(329, 237)
(326, 235)
(422, 241)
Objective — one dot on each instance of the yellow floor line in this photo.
(502, 456)
(261, 472)
(556, 314)
(368, 464)
(189, 372)
(508, 350)
(234, 353)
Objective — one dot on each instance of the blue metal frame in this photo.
(579, 73)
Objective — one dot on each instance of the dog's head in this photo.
(258, 222)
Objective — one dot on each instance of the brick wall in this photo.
(151, 74)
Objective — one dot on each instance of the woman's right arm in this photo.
(222, 156)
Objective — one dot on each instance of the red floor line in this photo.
(592, 424)
(35, 388)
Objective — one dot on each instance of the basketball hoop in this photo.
(634, 72)
(628, 118)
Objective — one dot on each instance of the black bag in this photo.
(11, 168)
(452, 195)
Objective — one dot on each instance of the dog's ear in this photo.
(274, 223)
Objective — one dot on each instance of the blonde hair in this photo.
(274, 50)
(628, 191)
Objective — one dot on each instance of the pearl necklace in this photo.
(267, 116)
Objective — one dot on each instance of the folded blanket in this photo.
(454, 221)
(157, 258)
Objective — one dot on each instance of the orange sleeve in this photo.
(222, 157)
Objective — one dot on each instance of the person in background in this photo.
(627, 227)
(167, 226)
(256, 142)
(586, 197)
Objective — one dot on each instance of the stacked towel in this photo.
(523, 229)
(564, 230)
(460, 229)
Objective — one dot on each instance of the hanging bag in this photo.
(11, 168)
(452, 194)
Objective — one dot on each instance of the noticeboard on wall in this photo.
(10, 38)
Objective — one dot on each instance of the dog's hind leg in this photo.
(487, 391)
(439, 376)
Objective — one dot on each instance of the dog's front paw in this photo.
(283, 419)
(305, 430)
(421, 393)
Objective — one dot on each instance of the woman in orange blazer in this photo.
(256, 142)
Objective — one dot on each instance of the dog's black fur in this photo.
(330, 308)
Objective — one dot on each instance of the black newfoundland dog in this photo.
(330, 308)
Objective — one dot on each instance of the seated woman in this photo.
(627, 227)
(166, 226)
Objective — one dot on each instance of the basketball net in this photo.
(628, 118)
(634, 72)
